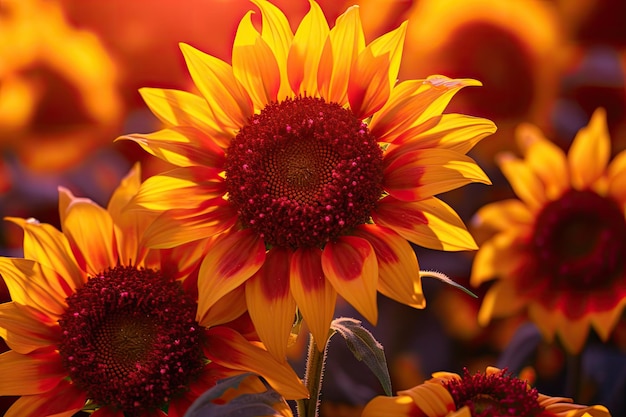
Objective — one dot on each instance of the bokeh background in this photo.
(69, 74)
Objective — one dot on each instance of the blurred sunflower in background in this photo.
(557, 251)
(313, 165)
(494, 393)
(99, 322)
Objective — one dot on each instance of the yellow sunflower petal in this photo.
(314, 295)
(432, 399)
(604, 322)
(182, 146)
(496, 257)
(48, 246)
(254, 64)
(398, 270)
(180, 108)
(430, 223)
(176, 227)
(523, 180)
(616, 176)
(180, 188)
(350, 265)
(229, 263)
(25, 329)
(89, 229)
(35, 285)
(32, 374)
(501, 300)
(64, 400)
(427, 172)
(590, 152)
(546, 160)
(277, 33)
(573, 333)
(375, 72)
(226, 309)
(270, 304)
(344, 43)
(456, 132)
(306, 50)
(424, 98)
(227, 99)
(228, 348)
(382, 406)
(503, 215)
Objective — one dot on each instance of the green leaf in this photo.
(245, 405)
(444, 278)
(365, 348)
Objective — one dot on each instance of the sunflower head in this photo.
(312, 166)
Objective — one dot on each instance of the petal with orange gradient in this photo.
(89, 229)
(498, 256)
(254, 64)
(181, 145)
(504, 214)
(180, 108)
(306, 50)
(590, 151)
(430, 223)
(350, 265)
(367, 89)
(38, 372)
(226, 347)
(180, 188)
(270, 304)
(344, 43)
(456, 132)
(227, 99)
(398, 270)
(500, 301)
(525, 183)
(228, 308)
(381, 406)
(176, 227)
(35, 285)
(24, 329)
(277, 33)
(433, 399)
(233, 259)
(424, 98)
(427, 172)
(46, 245)
(314, 295)
(64, 400)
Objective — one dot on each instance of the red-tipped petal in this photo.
(350, 265)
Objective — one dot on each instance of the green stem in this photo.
(313, 375)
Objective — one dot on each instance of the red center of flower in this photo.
(303, 171)
(495, 395)
(130, 339)
(581, 238)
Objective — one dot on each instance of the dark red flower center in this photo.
(581, 239)
(130, 339)
(495, 395)
(303, 171)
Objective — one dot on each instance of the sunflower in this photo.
(313, 166)
(495, 393)
(98, 321)
(557, 251)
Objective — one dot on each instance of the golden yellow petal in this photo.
(306, 50)
(503, 215)
(254, 64)
(48, 246)
(228, 101)
(25, 329)
(277, 33)
(344, 43)
(523, 180)
(590, 152)
(501, 300)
